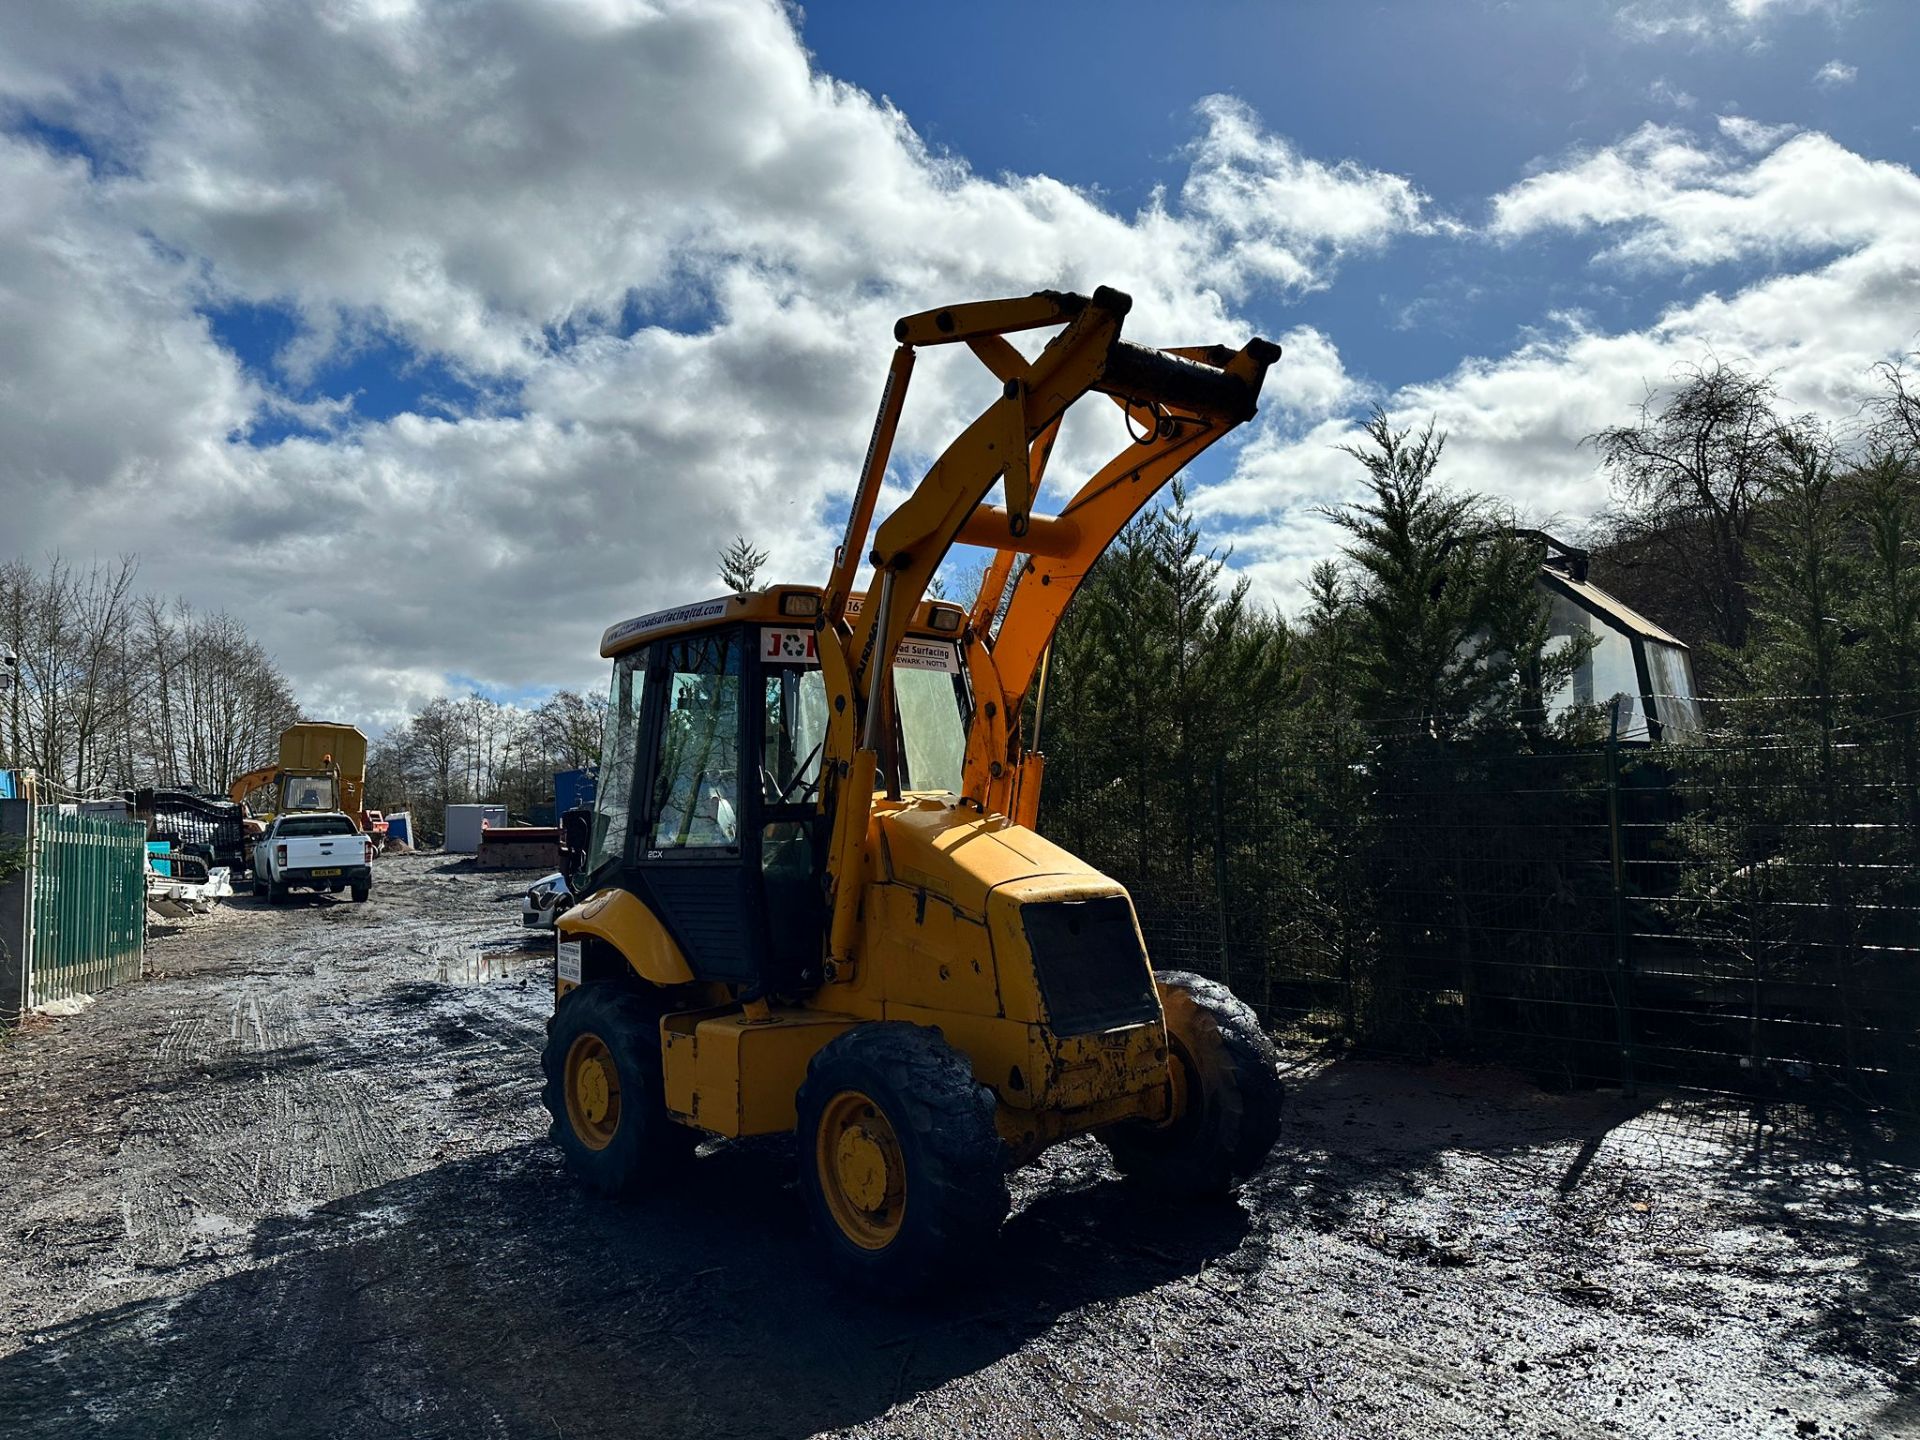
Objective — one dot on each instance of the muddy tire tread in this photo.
(650, 1146)
(957, 1196)
(1241, 1123)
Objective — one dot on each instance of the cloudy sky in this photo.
(432, 337)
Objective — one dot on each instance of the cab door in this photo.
(787, 826)
(691, 847)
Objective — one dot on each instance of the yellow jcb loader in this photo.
(816, 903)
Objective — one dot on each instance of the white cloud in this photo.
(1665, 92)
(1280, 216)
(1834, 74)
(1665, 200)
(1707, 20)
(475, 181)
(1516, 421)
(110, 385)
(1750, 134)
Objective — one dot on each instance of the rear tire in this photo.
(361, 892)
(903, 1170)
(605, 1093)
(1229, 1083)
(276, 894)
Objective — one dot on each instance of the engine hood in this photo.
(962, 856)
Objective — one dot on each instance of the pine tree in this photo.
(1803, 574)
(1885, 612)
(1412, 542)
(740, 565)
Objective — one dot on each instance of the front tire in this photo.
(1227, 1085)
(902, 1168)
(605, 1093)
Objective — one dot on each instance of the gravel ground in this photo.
(296, 1183)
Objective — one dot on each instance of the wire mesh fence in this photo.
(1736, 910)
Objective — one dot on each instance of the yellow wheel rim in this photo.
(593, 1092)
(863, 1173)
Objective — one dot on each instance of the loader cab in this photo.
(708, 808)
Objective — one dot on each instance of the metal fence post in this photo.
(16, 906)
(1220, 867)
(1622, 962)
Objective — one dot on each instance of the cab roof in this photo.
(777, 604)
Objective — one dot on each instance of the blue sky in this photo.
(432, 338)
(1462, 98)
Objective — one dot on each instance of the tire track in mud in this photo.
(337, 1095)
(256, 1121)
(299, 1188)
(268, 1075)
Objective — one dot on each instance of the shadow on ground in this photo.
(1848, 1191)
(1660, 1209)
(492, 1297)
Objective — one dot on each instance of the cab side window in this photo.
(795, 732)
(696, 791)
(619, 753)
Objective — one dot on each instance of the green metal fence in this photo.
(88, 920)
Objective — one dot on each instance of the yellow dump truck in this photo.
(322, 766)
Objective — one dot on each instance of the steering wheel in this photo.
(813, 785)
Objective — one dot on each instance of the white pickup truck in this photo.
(315, 851)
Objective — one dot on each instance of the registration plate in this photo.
(324, 872)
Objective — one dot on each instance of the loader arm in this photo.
(999, 772)
(252, 780)
(1182, 400)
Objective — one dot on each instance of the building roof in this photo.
(1618, 615)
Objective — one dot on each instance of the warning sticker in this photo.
(566, 965)
(788, 647)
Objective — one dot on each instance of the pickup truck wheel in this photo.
(259, 889)
(276, 894)
(361, 890)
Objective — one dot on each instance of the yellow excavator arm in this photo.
(1177, 403)
(251, 781)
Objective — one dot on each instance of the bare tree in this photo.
(394, 770)
(1688, 477)
(1894, 414)
(439, 735)
(121, 690)
(234, 700)
(566, 728)
(68, 711)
